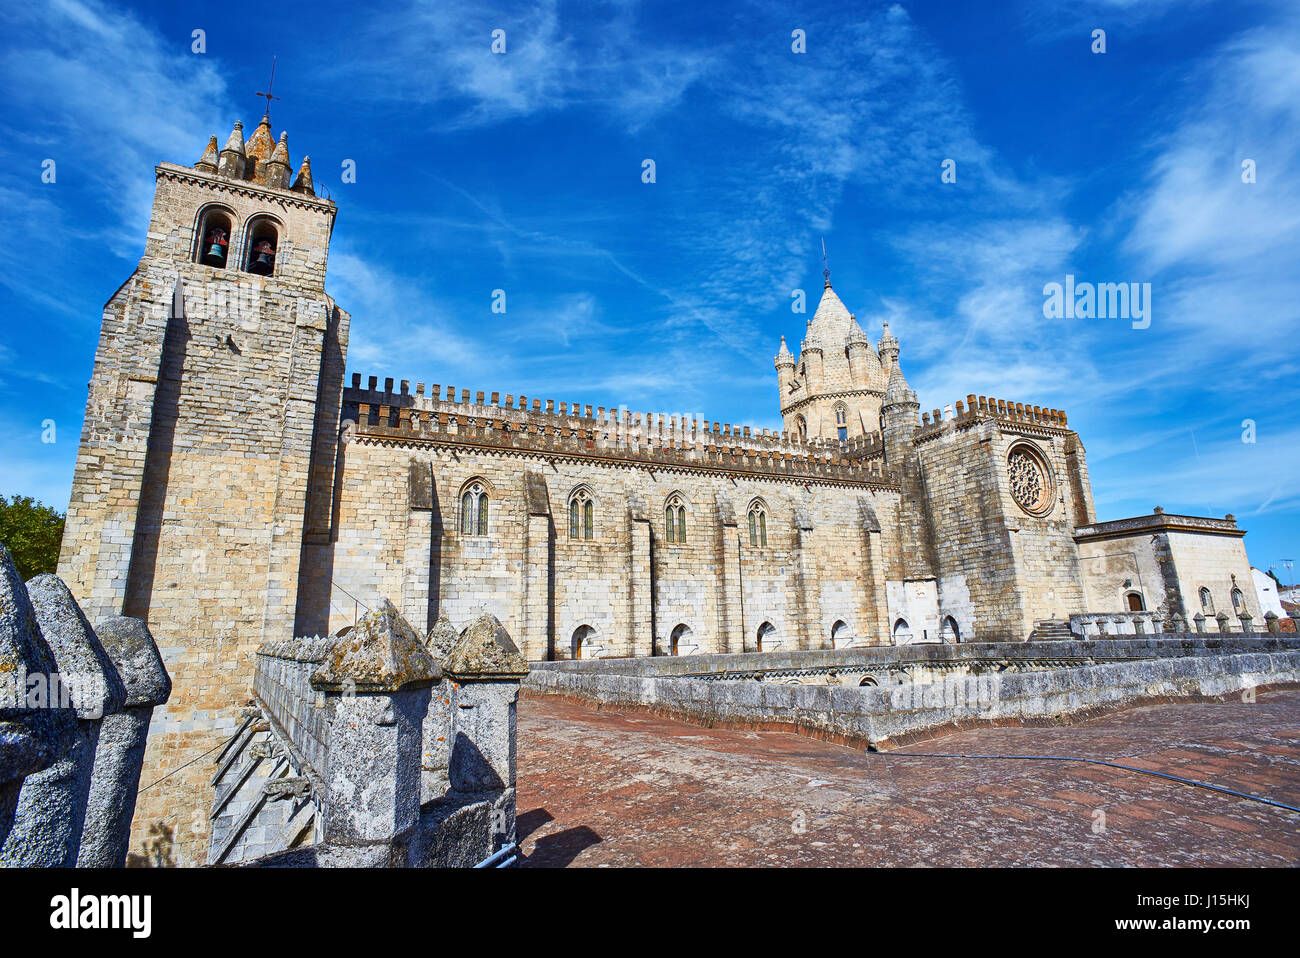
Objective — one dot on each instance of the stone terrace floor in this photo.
(622, 788)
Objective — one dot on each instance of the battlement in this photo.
(977, 408)
(868, 446)
(573, 429)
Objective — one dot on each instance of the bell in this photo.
(263, 259)
(216, 254)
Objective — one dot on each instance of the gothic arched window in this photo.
(842, 420)
(1207, 601)
(758, 524)
(474, 510)
(1238, 601)
(582, 514)
(675, 519)
(801, 427)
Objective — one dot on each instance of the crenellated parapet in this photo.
(575, 430)
(864, 447)
(982, 408)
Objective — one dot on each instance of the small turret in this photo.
(233, 159)
(888, 348)
(208, 161)
(783, 356)
(858, 349)
(784, 370)
(277, 168)
(811, 358)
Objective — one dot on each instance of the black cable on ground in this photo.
(1095, 761)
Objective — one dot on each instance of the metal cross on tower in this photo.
(269, 87)
(827, 271)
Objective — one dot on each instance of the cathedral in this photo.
(233, 487)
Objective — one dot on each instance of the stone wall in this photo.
(1030, 655)
(824, 562)
(879, 717)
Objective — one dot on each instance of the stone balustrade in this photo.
(374, 747)
(1091, 625)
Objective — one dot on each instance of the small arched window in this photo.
(582, 636)
(474, 510)
(766, 630)
(263, 241)
(1135, 601)
(679, 637)
(801, 426)
(1238, 601)
(675, 519)
(902, 632)
(842, 420)
(758, 524)
(841, 635)
(948, 631)
(582, 514)
(214, 239)
(1207, 601)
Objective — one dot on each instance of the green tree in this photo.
(32, 533)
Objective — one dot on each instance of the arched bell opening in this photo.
(263, 242)
(214, 238)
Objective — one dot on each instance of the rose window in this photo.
(1031, 486)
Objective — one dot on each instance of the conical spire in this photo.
(262, 143)
(898, 392)
(260, 147)
(302, 182)
(208, 161)
(783, 355)
(281, 152)
(236, 140)
(831, 322)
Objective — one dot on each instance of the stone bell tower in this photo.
(203, 482)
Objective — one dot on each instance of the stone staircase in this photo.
(1052, 630)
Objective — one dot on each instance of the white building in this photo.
(1266, 589)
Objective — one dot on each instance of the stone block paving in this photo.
(628, 788)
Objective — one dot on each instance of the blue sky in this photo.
(522, 172)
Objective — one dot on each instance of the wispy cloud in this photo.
(599, 60)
